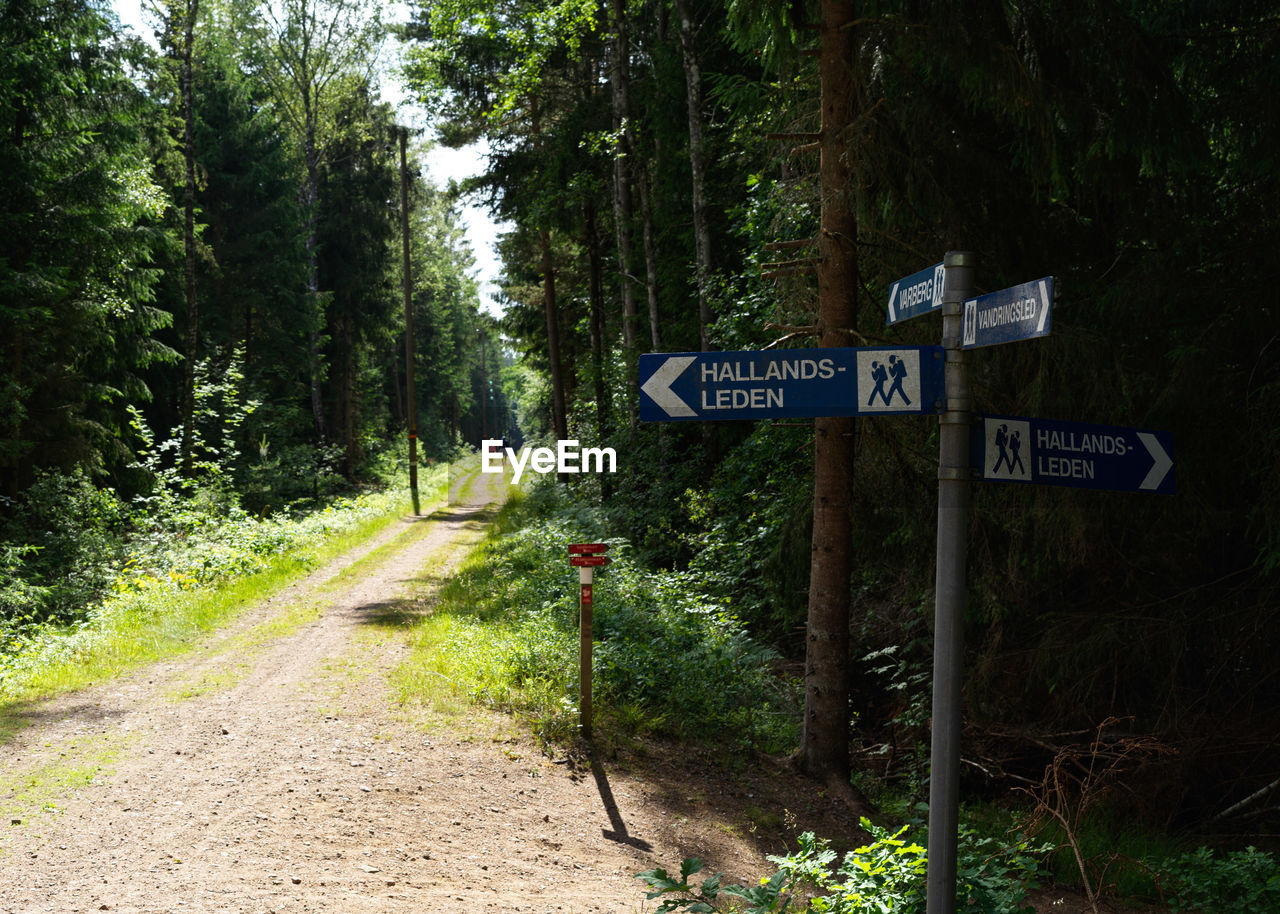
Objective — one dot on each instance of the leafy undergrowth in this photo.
(671, 661)
(996, 874)
(178, 575)
(888, 874)
(667, 660)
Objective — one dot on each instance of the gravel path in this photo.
(274, 770)
(278, 773)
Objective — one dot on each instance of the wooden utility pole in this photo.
(595, 294)
(407, 284)
(192, 341)
(484, 390)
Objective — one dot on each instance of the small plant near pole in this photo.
(586, 557)
(1080, 778)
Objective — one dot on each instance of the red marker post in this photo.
(586, 557)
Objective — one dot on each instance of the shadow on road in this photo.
(16, 716)
(619, 831)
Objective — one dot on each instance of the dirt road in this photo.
(273, 770)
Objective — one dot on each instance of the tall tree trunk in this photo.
(558, 420)
(311, 200)
(250, 351)
(397, 400)
(825, 745)
(645, 187)
(12, 425)
(484, 384)
(350, 440)
(698, 167)
(620, 84)
(191, 343)
(595, 295)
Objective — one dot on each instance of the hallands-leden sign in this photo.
(1079, 455)
(842, 381)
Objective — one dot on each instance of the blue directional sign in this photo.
(917, 294)
(1081, 455)
(706, 386)
(1017, 313)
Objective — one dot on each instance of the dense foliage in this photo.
(180, 574)
(670, 659)
(1120, 147)
(249, 361)
(888, 874)
(647, 154)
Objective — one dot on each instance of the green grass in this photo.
(209, 681)
(464, 653)
(1114, 851)
(503, 632)
(459, 661)
(41, 789)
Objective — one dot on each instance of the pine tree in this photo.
(78, 228)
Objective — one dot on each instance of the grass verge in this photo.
(503, 632)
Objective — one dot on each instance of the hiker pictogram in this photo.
(1004, 441)
(894, 380)
(879, 374)
(897, 371)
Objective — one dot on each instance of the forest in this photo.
(203, 319)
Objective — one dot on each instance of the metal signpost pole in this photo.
(948, 634)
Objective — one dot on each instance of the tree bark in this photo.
(595, 295)
(311, 201)
(397, 399)
(558, 420)
(620, 85)
(650, 254)
(825, 745)
(698, 168)
(350, 417)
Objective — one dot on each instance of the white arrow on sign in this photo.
(1044, 307)
(893, 297)
(1163, 462)
(658, 387)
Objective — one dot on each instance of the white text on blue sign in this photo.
(839, 381)
(916, 294)
(1079, 455)
(1018, 313)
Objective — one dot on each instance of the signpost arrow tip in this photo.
(1163, 462)
(658, 387)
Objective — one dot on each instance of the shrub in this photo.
(887, 875)
(662, 648)
(58, 545)
(1202, 881)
